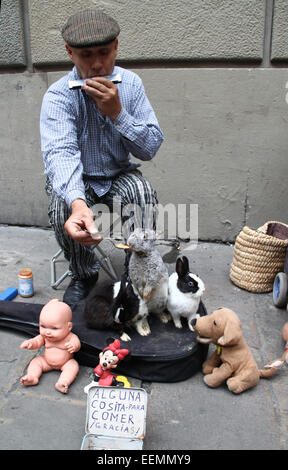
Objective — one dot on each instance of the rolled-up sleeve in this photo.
(140, 130)
(60, 149)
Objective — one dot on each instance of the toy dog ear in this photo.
(232, 333)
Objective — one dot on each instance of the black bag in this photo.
(168, 354)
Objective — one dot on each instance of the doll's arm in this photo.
(33, 343)
(73, 344)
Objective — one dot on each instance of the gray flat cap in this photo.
(90, 28)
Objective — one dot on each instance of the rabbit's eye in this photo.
(190, 283)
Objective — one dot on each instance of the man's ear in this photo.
(69, 50)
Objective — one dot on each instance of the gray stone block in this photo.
(12, 50)
(280, 31)
(23, 200)
(201, 30)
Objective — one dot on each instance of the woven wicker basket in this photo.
(258, 256)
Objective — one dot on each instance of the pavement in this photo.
(182, 416)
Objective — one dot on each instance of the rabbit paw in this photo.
(124, 337)
(164, 317)
(177, 322)
(143, 327)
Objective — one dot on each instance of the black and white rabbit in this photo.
(115, 305)
(184, 293)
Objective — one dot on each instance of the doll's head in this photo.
(55, 321)
(111, 355)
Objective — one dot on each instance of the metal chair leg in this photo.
(102, 258)
(54, 281)
(110, 271)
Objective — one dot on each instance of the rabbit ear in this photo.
(182, 266)
(120, 291)
(124, 279)
(179, 265)
(186, 264)
(118, 299)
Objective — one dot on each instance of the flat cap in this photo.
(89, 28)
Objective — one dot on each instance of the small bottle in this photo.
(25, 280)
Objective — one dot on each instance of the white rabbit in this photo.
(184, 293)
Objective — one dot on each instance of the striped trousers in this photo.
(130, 192)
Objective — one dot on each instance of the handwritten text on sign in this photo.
(117, 412)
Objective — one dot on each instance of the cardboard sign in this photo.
(117, 412)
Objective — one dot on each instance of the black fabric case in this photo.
(168, 354)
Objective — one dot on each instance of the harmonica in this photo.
(76, 84)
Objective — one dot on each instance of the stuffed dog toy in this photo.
(232, 359)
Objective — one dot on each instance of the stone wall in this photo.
(216, 74)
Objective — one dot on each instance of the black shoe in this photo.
(78, 289)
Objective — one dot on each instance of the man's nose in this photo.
(96, 65)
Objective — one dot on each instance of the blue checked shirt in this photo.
(79, 145)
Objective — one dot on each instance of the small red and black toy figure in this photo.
(109, 359)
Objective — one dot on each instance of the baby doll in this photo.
(108, 359)
(278, 363)
(55, 324)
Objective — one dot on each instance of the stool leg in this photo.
(54, 281)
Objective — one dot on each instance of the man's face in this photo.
(94, 61)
